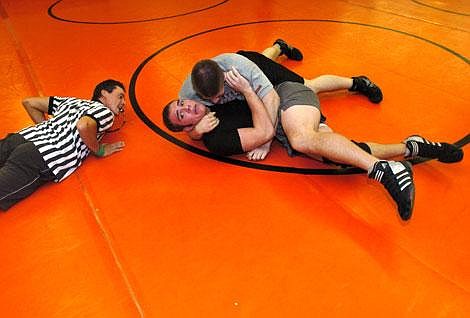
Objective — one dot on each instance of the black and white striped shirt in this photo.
(58, 139)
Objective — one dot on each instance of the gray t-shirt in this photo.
(249, 70)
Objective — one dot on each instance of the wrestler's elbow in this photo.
(264, 135)
(269, 132)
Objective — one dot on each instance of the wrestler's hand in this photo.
(236, 81)
(207, 123)
(109, 149)
(259, 153)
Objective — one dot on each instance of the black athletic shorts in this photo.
(275, 72)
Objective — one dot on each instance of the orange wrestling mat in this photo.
(164, 229)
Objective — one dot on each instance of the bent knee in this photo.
(306, 143)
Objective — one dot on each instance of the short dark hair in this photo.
(166, 119)
(207, 77)
(109, 85)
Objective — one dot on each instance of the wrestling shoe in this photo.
(368, 88)
(397, 178)
(290, 51)
(421, 147)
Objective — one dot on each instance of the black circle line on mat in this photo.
(135, 105)
(51, 14)
(440, 9)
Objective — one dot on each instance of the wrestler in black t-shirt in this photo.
(224, 139)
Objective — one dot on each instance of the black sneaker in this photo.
(397, 178)
(290, 51)
(368, 88)
(421, 147)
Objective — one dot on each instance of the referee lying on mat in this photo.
(53, 148)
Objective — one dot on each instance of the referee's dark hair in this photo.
(109, 85)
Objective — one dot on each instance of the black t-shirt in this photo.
(224, 139)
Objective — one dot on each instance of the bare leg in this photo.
(272, 52)
(387, 151)
(298, 122)
(326, 83)
(301, 125)
(381, 151)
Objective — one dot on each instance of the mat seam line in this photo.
(108, 241)
(21, 52)
(406, 16)
(36, 87)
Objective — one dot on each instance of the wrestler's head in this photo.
(207, 79)
(183, 114)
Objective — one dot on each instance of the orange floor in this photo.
(163, 229)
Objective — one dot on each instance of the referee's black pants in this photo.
(22, 170)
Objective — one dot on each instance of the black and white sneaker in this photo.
(291, 52)
(365, 86)
(397, 178)
(421, 147)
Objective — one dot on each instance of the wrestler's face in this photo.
(187, 113)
